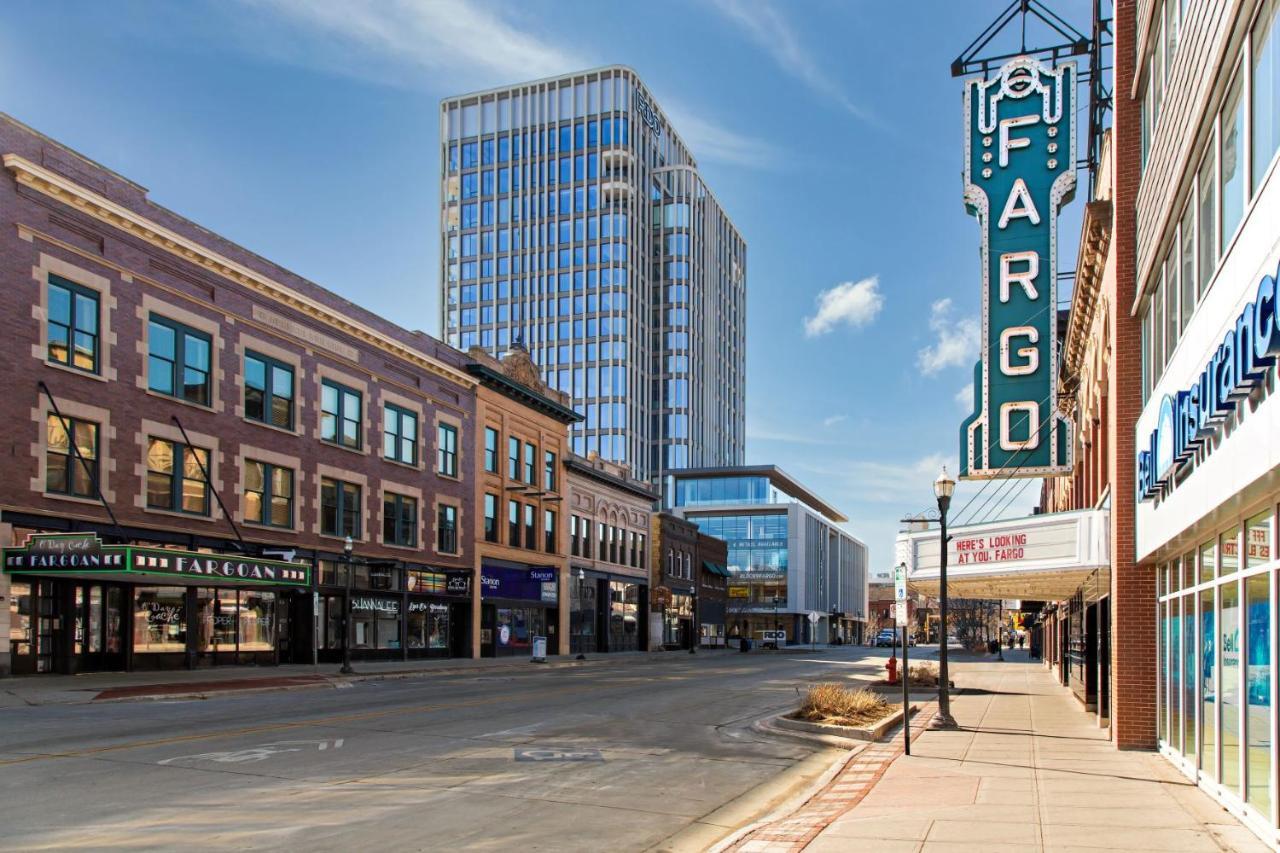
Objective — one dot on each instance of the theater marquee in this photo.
(1019, 171)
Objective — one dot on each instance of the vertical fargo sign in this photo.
(1019, 170)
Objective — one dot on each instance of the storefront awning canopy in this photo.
(1041, 557)
(715, 568)
(84, 555)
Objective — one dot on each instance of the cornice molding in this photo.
(104, 210)
(1095, 244)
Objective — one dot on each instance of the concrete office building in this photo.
(787, 556)
(574, 218)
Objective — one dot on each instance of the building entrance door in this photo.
(98, 623)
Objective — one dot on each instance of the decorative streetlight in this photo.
(347, 545)
(943, 488)
(582, 640)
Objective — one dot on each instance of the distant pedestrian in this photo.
(1020, 640)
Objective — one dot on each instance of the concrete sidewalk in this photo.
(99, 686)
(1029, 770)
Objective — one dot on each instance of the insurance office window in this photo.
(399, 434)
(268, 494)
(447, 450)
(339, 508)
(72, 325)
(1206, 219)
(178, 360)
(447, 529)
(1266, 90)
(399, 519)
(176, 477)
(1232, 158)
(268, 390)
(340, 416)
(71, 470)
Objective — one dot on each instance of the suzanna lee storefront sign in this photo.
(84, 553)
(1190, 418)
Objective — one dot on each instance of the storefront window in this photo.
(1230, 632)
(1208, 695)
(624, 624)
(428, 582)
(160, 620)
(1229, 550)
(1189, 670)
(517, 626)
(1162, 720)
(1174, 697)
(375, 622)
(1257, 590)
(1257, 532)
(428, 626)
(1206, 562)
(257, 621)
(20, 618)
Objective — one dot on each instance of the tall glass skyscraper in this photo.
(574, 220)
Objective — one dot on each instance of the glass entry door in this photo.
(98, 641)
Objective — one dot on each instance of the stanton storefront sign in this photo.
(1019, 172)
(1188, 418)
(78, 552)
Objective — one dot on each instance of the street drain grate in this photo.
(556, 753)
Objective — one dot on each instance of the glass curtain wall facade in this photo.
(573, 218)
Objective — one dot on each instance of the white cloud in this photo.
(441, 35)
(832, 420)
(964, 398)
(770, 29)
(853, 302)
(458, 44)
(957, 343)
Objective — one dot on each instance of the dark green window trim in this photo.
(73, 333)
(260, 484)
(267, 399)
(179, 361)
(399, 519)
(336, 404)
(176, 477)
(399, 434)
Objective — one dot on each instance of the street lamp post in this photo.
(582, 640)
(943, 488)
(347, 545)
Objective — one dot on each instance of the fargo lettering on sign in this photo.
(1019, 172)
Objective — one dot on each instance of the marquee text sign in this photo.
(1003, 547)
(1019, 171)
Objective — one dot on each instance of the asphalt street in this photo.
(614, 756)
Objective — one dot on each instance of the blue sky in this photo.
(831, 132)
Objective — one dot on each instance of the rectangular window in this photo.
(176, 477)
(549, 471)
(72, 325)
(491, 450)
(490, 518)
(340, 414)
(447, 529)
(1187, 261)
(513, 524)
(399, 434)
(447, 450)
(586, 538)
(530, 528)
(399, 519)
(1265, 91)
(1207, 217)
(573, 535)
(178, 360)
(65, 474)
(530, 452)
(268, 390)
(339, 508)
(1257, 716)
(268, 494)
(549, 530)
(1232, 135)
(513, 458)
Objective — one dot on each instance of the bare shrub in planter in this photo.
(838, 705)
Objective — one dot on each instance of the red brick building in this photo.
(208, 429)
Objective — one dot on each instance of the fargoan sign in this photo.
(1020, 153)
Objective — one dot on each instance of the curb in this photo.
(858, 733)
